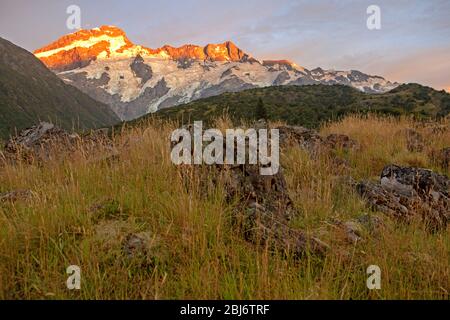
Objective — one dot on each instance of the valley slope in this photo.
(29, 92)
(312, 105)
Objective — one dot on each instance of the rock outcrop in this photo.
(262, 205)
(264, 210)
(311, 141)
(46, 141)
(316, 145)
(37, 143)
(341, 141)
(407, 193)
(307, 139)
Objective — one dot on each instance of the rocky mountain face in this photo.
(29, 92)
(135, 80)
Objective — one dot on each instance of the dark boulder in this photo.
(406, 193)
(38, 142)
(264, 209)
(46, 141)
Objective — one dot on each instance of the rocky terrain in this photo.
(346, 197)
(45, 142)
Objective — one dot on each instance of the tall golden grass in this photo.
(82, 210)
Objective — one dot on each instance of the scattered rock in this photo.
(263, 207)
(45, 141)
(312, 142)
(371, 222)
(423, 181)
(16, 195)
(36, 143)
(405, 193)
(264, 210)
(340, 165)
(137, 245)
(353, 231)
(267, 203)
(120, 238)
(341, 141)
(356, 230)
(384, 200)
(307, 139)
(29, 138)
(107, 209)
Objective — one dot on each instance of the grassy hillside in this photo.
(29, 92)
(81, 211)
(312, 105)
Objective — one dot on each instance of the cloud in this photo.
(428, 66)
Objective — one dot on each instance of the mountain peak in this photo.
(91, 37)
(283, 64)
(79, 48)
(226, 51)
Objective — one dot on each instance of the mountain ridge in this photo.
(116, 44)
(135, 80)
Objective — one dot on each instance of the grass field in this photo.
(81, 211)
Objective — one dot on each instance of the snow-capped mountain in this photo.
(135, 80)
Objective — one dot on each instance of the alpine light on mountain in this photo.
(135, 80)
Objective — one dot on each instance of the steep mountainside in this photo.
(136, 80)
(29, 92)
(314, 104)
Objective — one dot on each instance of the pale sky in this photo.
(413, 44)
